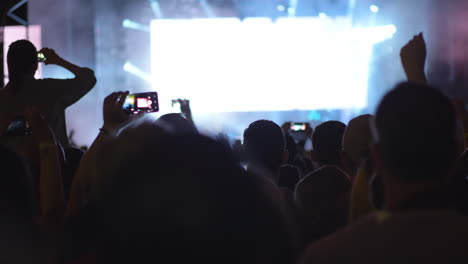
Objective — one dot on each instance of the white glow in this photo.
(225, 65)
(127, 23)
(322, 15)
(281, 8)
(374, 9)
(130, 68)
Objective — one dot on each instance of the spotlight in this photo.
(374, 9)
(322, 15)
(127, 23)
(281, 8)
(207, 9)
(156, 8)
(130, 68)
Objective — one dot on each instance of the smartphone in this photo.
(141, 103)
(18, 128)
(41, 57)
(296, 127)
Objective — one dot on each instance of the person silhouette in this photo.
(50, 96)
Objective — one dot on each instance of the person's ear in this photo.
(285, 156)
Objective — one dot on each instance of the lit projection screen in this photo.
(228, 65)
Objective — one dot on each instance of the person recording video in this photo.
(50, 96)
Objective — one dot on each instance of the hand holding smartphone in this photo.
(141, 103)
(41, 57)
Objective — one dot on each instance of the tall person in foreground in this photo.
(50, 96)
(415, 150)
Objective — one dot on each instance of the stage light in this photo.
(281, 8)
(322, 15)
(374, 9)
(127, 23)
(130, 68)
(192, 48)
(207, 8)
(156, 8)
(291, 11)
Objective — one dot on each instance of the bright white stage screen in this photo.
(225, 65)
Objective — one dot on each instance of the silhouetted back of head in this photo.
(16, 193)
(416, 129)
(327, 142)
(22, 60)
(203, 208)
(357, 140)
(176, 123)
(265, 144)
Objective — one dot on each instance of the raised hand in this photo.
(184, 105)
(186, 110)
(413, 57)
(51, 56)
(115, 117)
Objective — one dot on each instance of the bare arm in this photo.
(413, 58)
(186, 110)
(52, 58)
(86, 178)
(71, 90)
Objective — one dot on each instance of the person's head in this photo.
(176, 123)
(158, 207)
(327, 143)
(415, 134)
(19, 242)
(265, 145)
(356, 143)
(22, 60)
(16, 191)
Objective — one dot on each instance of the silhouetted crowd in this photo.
(385, 188)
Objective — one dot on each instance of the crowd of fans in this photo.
(386, 188)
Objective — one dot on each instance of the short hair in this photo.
(21, 59)
(186, 209)
(327, 142)
(176, 123)
(264, 144)
(416, 129)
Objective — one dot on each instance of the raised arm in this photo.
(413, 57)
(86, 177)
(186, 110)
(71, 89)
